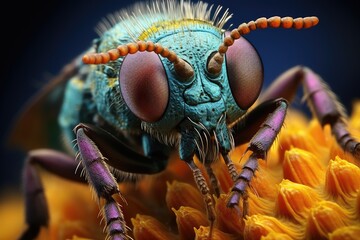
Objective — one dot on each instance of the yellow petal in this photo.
(357, 205)
(264, 183)
(342, 179)
(257, 226)
(132, 207)
(325, 218)
(149, 228)
(187, 219)
(301, 139)
(303, 167)
(355, 115)
(295, 120)
(222, 174)
(337, 151)
(228, 219)
(346, 233)
(295, 200)
(276, 236)
(67, 229)
(259, 205)
(73, 212)
(321, 134)
(11, 213)
(183, 194)
(80, 238)
(154, 187)
(202, 233)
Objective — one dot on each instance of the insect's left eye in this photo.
(144, 85)
(245, 72)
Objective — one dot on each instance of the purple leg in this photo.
(36, 210)
(259, 145)
(328, 110)
(321, 100)
(103, 182)
(246, 128)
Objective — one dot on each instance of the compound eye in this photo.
(245, 72)
(144, 85)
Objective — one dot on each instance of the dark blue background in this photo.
(39, 38)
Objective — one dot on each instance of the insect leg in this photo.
(103, 182)
(328, 110)
(259, 145)
(249, 124)
(321, 100)
(36, 209)
(246, 128)
(204, 189)
(122, 156)
(187, 149)
(230, 166)
(213, 180)
(100, 150)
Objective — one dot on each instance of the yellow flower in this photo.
(307, 188)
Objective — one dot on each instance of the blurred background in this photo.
(39, 38)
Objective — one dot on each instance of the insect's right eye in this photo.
(245, 72)
(144, 85)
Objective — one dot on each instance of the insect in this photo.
(164, 77)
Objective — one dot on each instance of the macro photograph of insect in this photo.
(178, 119)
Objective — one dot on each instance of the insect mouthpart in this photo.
(204, 141)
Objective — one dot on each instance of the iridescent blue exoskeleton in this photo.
(167, 76)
